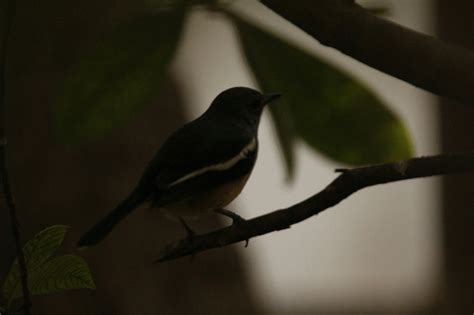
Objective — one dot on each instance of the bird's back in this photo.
(198, 157)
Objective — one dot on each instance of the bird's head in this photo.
(241, 104)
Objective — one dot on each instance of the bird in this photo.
(201, 167)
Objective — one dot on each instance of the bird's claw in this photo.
(190, 234)
(237, 220)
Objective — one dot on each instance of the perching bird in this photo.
(201, 167)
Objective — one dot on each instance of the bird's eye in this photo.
(256, 104)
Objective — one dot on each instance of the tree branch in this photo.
(350, 181)
(4, 181)
(419, 59)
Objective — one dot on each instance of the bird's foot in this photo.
(190, 234)
(237, 220)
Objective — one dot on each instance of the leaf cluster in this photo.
(323, 106)
(47, 273)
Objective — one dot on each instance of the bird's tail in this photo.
(100, 230)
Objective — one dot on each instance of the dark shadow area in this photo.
(77, 185)
(457, 131)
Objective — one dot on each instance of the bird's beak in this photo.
(267, 98)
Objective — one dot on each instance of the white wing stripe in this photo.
(220, 166)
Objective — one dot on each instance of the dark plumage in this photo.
(202, 166)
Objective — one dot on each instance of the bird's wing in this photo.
(196, 158)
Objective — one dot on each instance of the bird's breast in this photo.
(208, 201)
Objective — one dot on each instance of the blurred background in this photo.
(401, 247)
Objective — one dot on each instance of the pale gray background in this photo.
(380, 248)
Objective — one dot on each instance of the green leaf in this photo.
(175, 3)
(42, 245)
(379, 10)
(36, 252)
(58, 274)
(116, 78)
(332, 112)
(286, 135)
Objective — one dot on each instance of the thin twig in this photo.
(416, 58)
(342, 187)
(4, 181)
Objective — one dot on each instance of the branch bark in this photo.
(4, 181)
(416, 58)
(350, 181)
